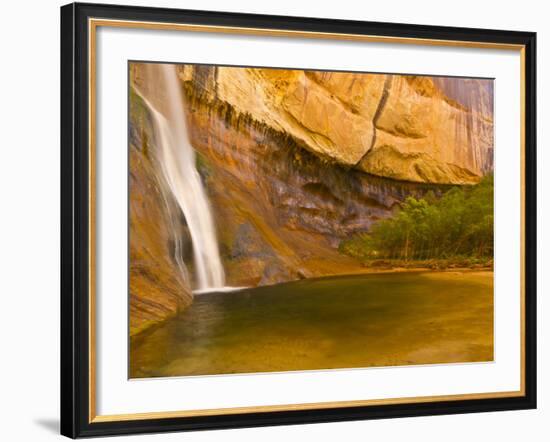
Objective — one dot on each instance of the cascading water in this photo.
(177, 159)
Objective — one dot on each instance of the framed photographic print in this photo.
(278, 220)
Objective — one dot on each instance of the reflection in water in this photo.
(341, 322)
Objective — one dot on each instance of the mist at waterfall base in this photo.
(177, 159)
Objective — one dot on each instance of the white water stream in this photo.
(177, 159)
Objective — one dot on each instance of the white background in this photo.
(29, 171)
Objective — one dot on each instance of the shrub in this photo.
(460, 223)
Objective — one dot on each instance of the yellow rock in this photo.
(326, 125)
(428, 138)
(411, 128)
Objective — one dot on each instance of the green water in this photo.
(340, 322)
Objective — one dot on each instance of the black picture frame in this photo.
(75, 221)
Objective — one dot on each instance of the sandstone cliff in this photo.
(156, 283)
(409, 128)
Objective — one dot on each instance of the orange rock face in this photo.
(423, 135)
(156, 283)
(410, 128)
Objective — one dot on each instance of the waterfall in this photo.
(177, 159)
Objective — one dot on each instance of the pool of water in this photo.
(340, 322)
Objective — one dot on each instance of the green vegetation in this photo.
(457, 227)
(202, 164)
(140, 114)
